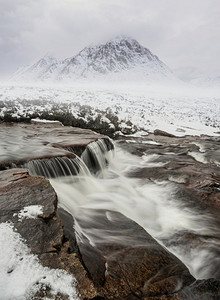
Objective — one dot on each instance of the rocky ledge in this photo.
(22, 142)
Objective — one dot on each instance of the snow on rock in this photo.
(44, 121)
(21, 274)
(31, 212)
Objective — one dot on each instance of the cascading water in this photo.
(152, 205)
(97, 155)
(56, 167)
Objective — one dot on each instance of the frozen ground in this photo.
(123, 108)
(136, 108)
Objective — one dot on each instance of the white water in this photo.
(150, 204)
(55, 167)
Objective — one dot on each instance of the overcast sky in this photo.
(183, 33)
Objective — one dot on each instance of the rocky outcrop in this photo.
(111, 256)
(192, 163)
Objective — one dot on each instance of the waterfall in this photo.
(95, 157)
(153, 205)
(56, 167)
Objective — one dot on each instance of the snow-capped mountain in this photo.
(37, 70)
(119, 58)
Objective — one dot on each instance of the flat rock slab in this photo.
(21, 142)
(192, 163)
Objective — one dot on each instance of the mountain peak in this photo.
(49, 58)
(120, 38)
(120, 55)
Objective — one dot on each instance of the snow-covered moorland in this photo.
(121, 108)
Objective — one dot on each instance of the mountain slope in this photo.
(37, 70)
(119, 58)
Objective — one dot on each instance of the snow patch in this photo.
(22, 275)
(44, 121)
(30, 212)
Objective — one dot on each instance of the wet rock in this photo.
(171, 160)
(21, 143)
(136, 266)
(19, 194)
(110, 256)
(202, 290)
(18, 190)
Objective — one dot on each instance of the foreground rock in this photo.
(43, 233)
(21, 143)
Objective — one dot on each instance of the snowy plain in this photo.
(181, 110)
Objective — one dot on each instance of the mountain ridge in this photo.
(119, 56)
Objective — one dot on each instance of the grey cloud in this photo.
(182, 33)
